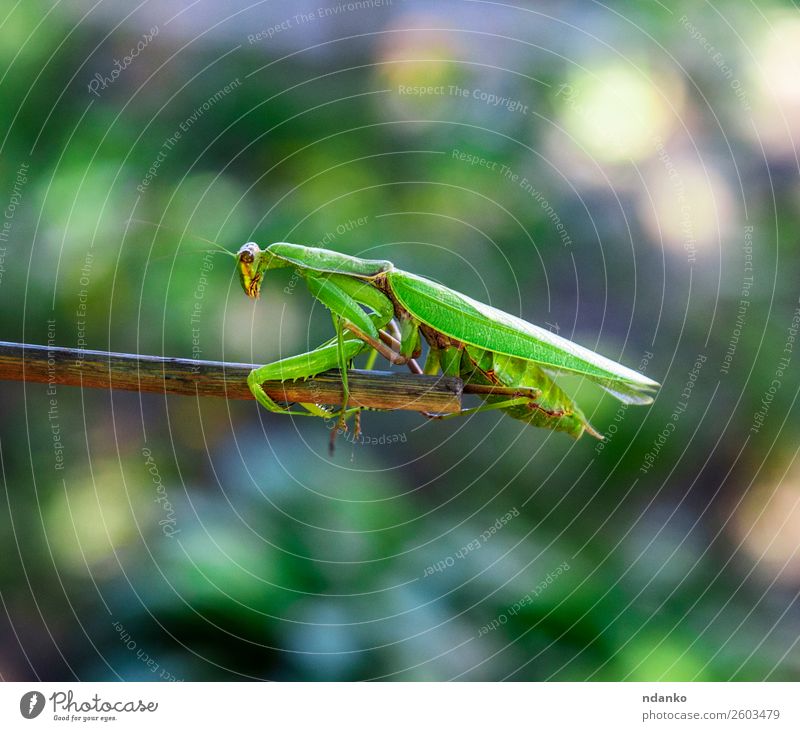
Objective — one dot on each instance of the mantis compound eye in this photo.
(247, 253)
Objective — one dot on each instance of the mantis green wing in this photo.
(474, 323)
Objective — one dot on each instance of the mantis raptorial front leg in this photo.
(345, 303)
(344, 297)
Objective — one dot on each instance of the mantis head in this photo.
(249, 271)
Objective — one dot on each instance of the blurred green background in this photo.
(623, 173)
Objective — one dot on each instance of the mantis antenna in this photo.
(219, 246)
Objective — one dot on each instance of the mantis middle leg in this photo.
(303, 366)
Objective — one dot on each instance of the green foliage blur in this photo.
(623, 173)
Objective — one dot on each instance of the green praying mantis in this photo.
(379, 309)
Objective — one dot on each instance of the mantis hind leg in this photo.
(452, 362)
(518, 401)
(346, 297)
